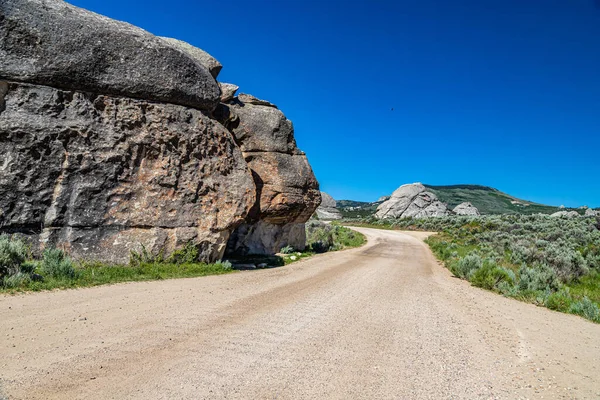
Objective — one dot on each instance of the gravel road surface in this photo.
(384, 321)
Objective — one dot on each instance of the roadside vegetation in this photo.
(549, 261)
(20, 271)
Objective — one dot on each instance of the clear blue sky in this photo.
(504, 93)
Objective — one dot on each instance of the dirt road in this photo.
(381, 322)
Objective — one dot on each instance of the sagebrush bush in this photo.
(13, 253)
(226, 265)
(489, 276)
(467, 265)
(57, 264)
(16, 280)
(540, 277)
(559, 301)
(287, 250)
(586, 308)
(319, 236)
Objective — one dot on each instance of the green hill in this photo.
(488, 200)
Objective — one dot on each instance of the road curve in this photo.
(384, 321)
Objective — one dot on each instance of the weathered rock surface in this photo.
(568, 214)
(592, 213)
(412, 200)
(122, 145)
(101, 175)
(466, 208)
(228, 91)
(249, 99)
(287, 190)
(205, 59)
(50, 42)
(328, 211)
(263, 237)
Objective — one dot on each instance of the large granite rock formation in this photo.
(466, 208)
(567, 214)
(50, 42)
(412, 200)
(100, 174)
(328, 211)
(287, 190)
(108, 142)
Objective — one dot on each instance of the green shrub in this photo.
(319, 247)
(319, 233)
(540, 277)
(13, 252)
(489, 276)
(467, 265)
(226, 265)
(559, 301)
(287, 250)
(587, 309)
(508, 289)
(144, 256)
(17, 280)
(186, 255)
(57, 264)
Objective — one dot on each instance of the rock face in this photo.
(107, 143)
(100, 174)
(592, 213)
(227, 91)
(50, 42)
(205, 59)
(412, 200)
(466, 208)
(328, 211)
(287, 190)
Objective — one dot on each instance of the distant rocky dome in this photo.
(466, 208)
(412, 200)
(383, 198)
(568, 214)
(328, 211)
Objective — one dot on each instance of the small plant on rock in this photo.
(287, 250)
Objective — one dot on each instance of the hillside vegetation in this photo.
(552, 262)
(488, 200)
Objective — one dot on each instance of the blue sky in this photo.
(504, 93)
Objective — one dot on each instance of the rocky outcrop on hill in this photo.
(109, 142)
(466, 208)
(567, 214)
(412, 200)
(328, 211)
(592, 213)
